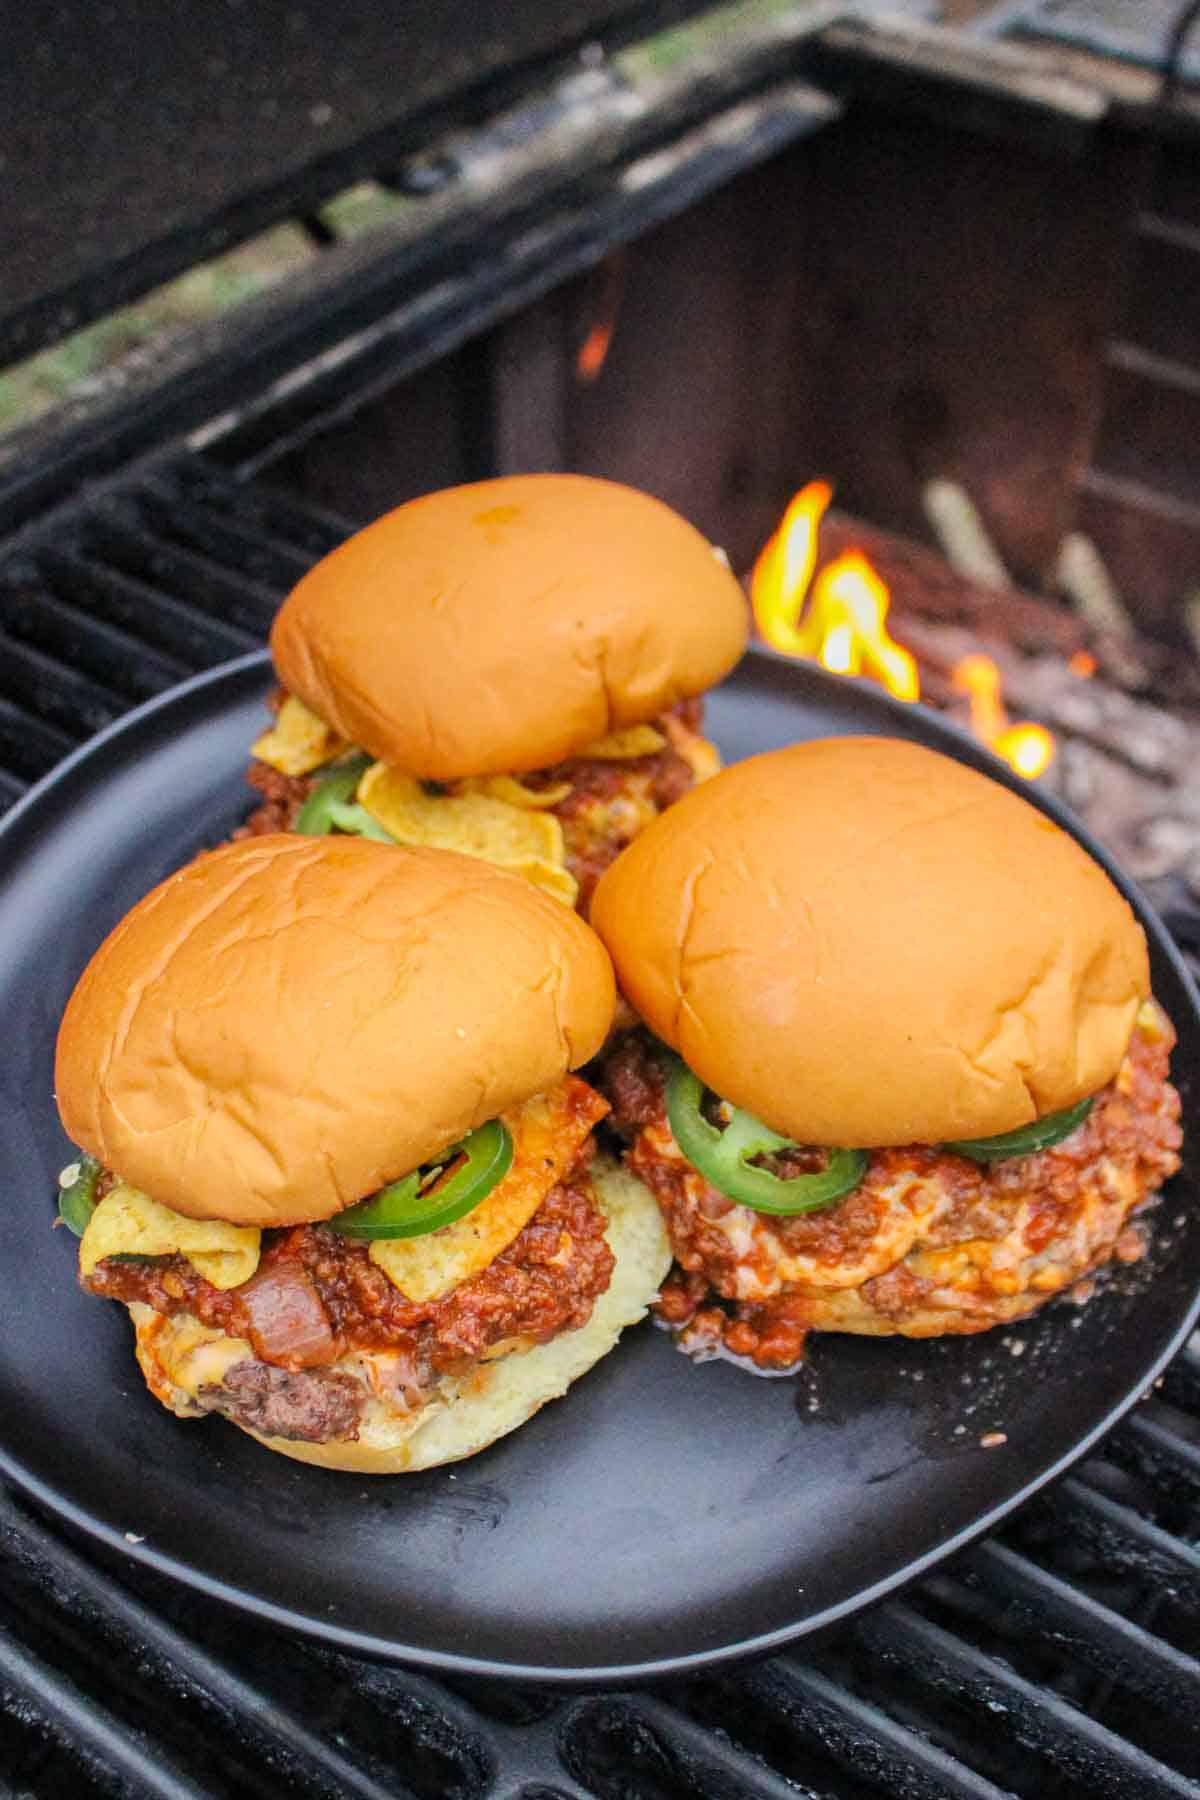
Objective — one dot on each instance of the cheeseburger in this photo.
(511, 669)
(902, 1071)
(333, 1157)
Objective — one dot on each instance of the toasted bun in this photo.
(472, 1411)
(291, 1022)
(505, 625)
(865, 943)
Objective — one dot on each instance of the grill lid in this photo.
(182, 129)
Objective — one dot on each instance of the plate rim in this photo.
(933, 726)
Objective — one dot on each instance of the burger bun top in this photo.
(419, 637)
(289, 1023)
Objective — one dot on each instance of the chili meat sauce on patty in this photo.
(929, 1242)
(321, 1330)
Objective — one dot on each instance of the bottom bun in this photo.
(469, 1411)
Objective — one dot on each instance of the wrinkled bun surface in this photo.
(473, 1411)
(867, 943)
(504, 625)
(289, 1023)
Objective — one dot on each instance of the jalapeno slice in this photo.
(1029, 1138)
(315, 818)
(357, 821)
(77, 1194)
(431, 1197)
(725, 1157)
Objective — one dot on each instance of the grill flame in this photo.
(839, 620)
(840, 624)
(1027, 748)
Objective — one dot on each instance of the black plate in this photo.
(662, 1516)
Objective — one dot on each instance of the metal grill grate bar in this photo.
(1037, 1602)
(28, 745)
(180, 570)
(55, 692)
(115, 532)
(1032, 1716)
(307, 528)
(626, 1744)
(1181, 1383)
(163, 622)
(173, 1668)
(11, 790)
(1149, 1446)
(242, 548)
(114, 658)
(149, 1772)
(808, 1706)
(1125, 1539)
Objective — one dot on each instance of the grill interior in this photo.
(1058, 1658)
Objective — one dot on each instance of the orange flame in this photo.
(841, 623)
(1027, 748)
(1082, 663)
(593, 351)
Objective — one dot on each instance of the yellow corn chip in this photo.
(703, 758)
(128, 1223)
(514, 792)
(548, 1133)
(298, 742)
(528, 841)
(552, 876)
(634, 740)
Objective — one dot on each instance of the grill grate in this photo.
(1058, 1659)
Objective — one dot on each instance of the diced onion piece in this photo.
(288, 1324)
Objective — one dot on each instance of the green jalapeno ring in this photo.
(725, 1157)
(1027, 1139)
(415, 1204)
(335, 788)
(77, 1193)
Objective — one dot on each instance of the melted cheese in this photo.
(179, 1356)
(548, 1133)
(128, 1223)
(299, 741)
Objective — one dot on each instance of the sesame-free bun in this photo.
(505, 625)
(867, 943)
(290, 1022)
